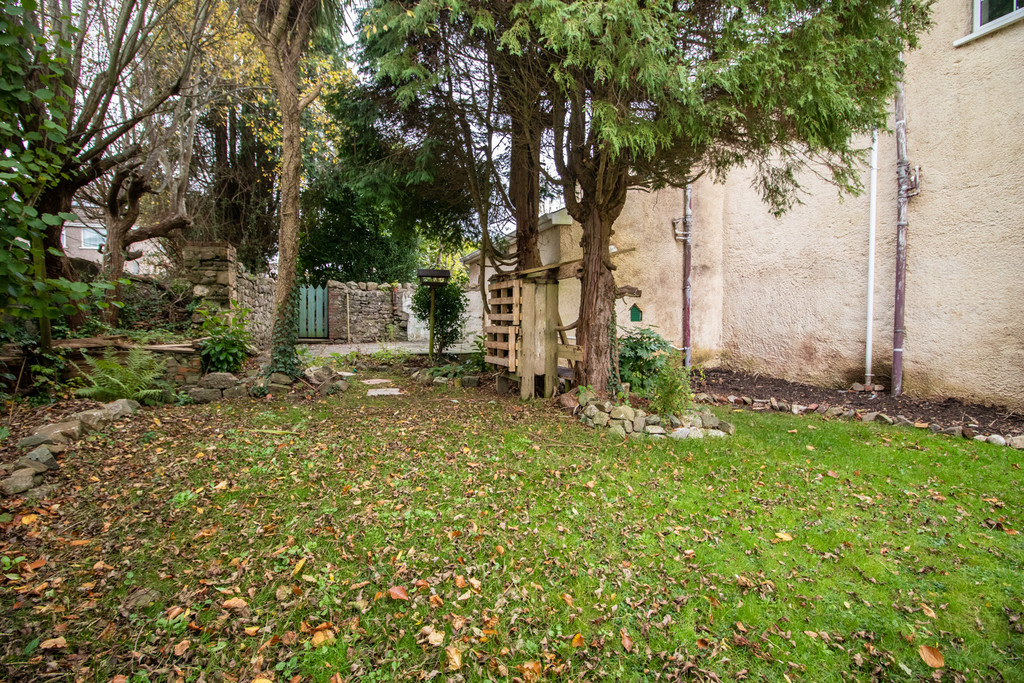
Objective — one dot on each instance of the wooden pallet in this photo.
(501, 337)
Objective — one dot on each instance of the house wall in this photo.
(794, 299)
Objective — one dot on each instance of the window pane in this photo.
(993, 9)
(93, 238)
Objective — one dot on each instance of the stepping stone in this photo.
(375, 381)
(387, 391)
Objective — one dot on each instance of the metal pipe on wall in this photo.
(903, 181)
(686, 238)
(872, 224)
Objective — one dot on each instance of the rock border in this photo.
(824, 409)
(51, 440)
(634, 423)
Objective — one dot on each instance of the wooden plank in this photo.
(503, 316)
(321, 310)
(497, 301)
(498, 329)
(527, 363)
(503, 345)
(550, 339)
(494, 360)
(303, 304)
(570, 352)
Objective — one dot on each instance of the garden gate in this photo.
(313, 313)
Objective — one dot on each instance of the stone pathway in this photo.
(418, 348)
(386, 391)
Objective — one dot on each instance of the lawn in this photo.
(452, 534)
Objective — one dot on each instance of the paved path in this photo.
(413, 347)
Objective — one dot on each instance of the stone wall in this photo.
(362, 312)
(221, 283)
(256, 292)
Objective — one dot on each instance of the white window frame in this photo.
(100, 232)
(984, 29)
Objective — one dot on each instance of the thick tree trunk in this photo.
(524, 187)
(597, 299)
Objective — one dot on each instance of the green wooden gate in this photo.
(313, 312)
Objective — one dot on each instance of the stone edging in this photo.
(52, 440)
(826, 410)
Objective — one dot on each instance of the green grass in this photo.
(678, 545)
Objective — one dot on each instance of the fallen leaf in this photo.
(252, 630)
(175, 612)
(454, 658)
(436, 638)
(299, 566)
(28, 519)
(436, 602)
(398, 593)
(182, 647)
(744, 582)
(783, 536)
(283, 593)
(531, 671)
(702, 643)
(234, 603)
(53, 644)
(928, 611)
(577, 640)
(627, 642)
(931, 656)
(567, 599)
(325, 637)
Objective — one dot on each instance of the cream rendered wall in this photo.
(794, 288)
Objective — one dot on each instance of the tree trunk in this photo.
(597, 299)
(288, 235)
(524, 186)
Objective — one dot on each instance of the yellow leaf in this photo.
(325, 637)
(931, 656)
(454, 658)
(28, 519)
(928, 611)
(252, 630)
(577, 640)
(567, 599)
(783, 536)
(299, 566)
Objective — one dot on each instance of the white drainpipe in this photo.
(872, 220)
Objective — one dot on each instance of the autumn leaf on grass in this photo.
(744, 582)
(182, 647)
(531, 671)
(577, 640)
(398, 593)
(299, 566)
(928, 611)
(324, 637)
(627, 642)
(454, 658)
(702, 643)
(53, 644)
(567, 599)
(431, 636)
(436, 602)
(931, 656)
(783, 536)
(235, 604)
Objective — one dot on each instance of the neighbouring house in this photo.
(789, 296)
(86, 238)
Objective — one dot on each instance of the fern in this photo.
(113, 377)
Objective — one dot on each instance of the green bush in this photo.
(642, 354)
(138, 377)
(671, 393)
(227, 340)
(449, 313)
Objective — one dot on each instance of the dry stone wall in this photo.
(218, 279)
(363, 312)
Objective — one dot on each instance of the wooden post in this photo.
(430, 348)
(550, 339)
(527, 364)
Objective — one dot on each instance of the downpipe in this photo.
(872, 224)
(686, 237)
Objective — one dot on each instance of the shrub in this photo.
(642, 355)
(136, 377)
(449, 313)
(671, 386)
(227, 342)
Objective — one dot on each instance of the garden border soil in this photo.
(947, 413)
